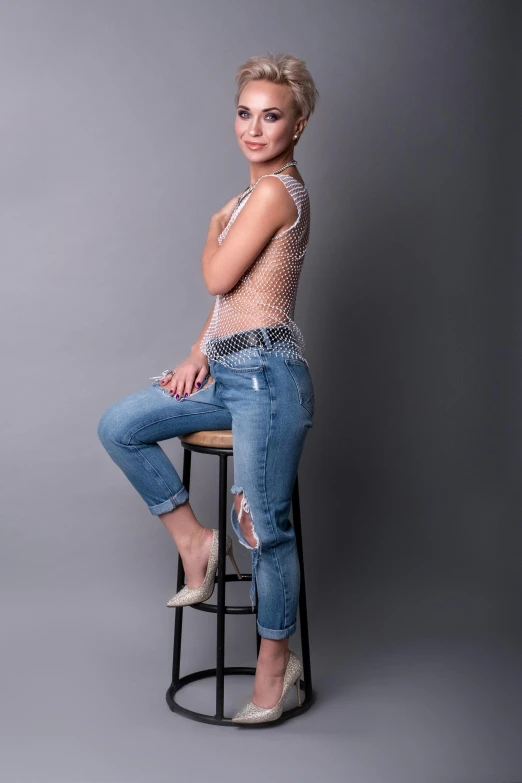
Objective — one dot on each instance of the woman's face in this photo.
(265, 116)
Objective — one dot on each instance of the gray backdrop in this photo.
(117, 146)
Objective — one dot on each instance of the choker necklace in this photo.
(251, 187)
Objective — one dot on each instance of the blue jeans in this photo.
(268, 403)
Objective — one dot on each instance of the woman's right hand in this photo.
(187, 376)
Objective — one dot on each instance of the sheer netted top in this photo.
(265, 295)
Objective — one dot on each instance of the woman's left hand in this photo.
(225, 213)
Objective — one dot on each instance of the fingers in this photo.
(184, 386)
(175, 386)
(181, 387)
(200, 377)
(165, 382)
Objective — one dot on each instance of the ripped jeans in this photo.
(268, 403)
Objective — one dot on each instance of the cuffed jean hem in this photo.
(267, 633)
(170, 504)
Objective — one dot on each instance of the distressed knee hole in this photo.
(244, 508)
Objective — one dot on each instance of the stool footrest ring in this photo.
(204, 607)
(202, 717)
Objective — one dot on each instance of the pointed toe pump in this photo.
(196, 595)
(252, 713)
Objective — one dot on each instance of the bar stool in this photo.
(219, 443)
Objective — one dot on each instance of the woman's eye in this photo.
(242, 112)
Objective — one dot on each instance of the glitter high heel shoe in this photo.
(252, 713)
(196, 595)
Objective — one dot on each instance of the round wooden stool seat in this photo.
(218, 439)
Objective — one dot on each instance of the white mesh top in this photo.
(266, 293)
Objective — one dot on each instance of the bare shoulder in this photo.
(270, 184)
(272, 192)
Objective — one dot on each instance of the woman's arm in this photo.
(195, 347)
(217, 224)
(269, 207)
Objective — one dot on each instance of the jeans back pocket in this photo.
(300, 372)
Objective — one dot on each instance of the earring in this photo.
(296, 136)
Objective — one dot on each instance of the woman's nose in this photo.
(254, 129)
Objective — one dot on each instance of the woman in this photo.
(246, 372)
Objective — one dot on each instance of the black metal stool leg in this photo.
(220, 630)
(178, 622)
(303, 616)
(258, 636)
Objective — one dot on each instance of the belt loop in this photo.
(266, 338)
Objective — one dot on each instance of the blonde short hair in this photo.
(281, 69)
